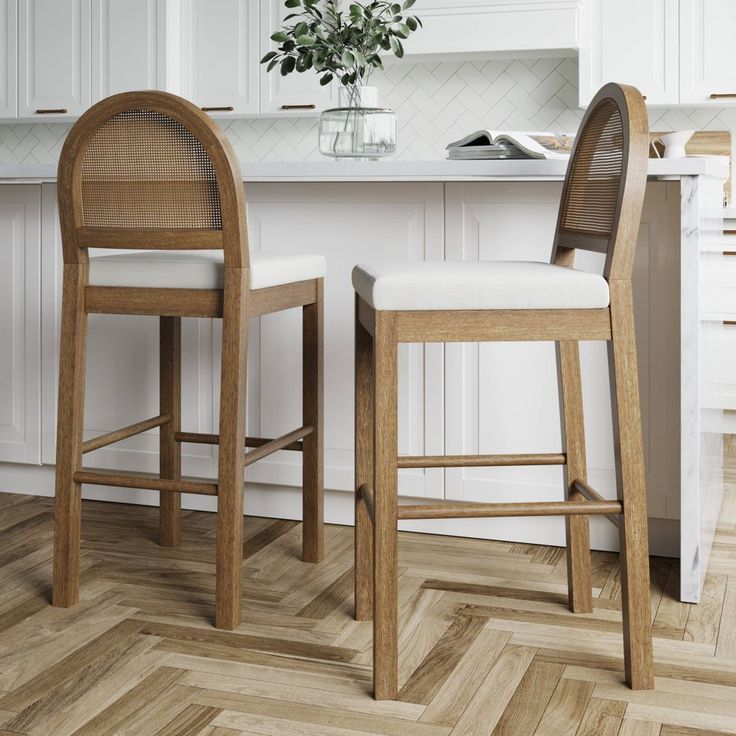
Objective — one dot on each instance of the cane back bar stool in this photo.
(476, 302)
(150, 171)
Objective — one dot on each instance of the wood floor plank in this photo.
(437, 666)
(565, 709)
(487, 646)
(630, 727)
(601, 718)
(490, 701)
(530, 701)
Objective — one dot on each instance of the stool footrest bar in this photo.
(198, 438)
(487, 461)
(148, 482)
(122, 434)
(487, 510)
(280, 443)
(592, 495)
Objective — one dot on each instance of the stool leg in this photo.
(577, 528)
(70, 424)
(385, 455)
(313, 414)
(232, 453)
(170, 449)
(634, 542)
(363, 471)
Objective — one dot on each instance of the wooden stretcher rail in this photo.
(488, 510)
(280, 443)
(198, 438)
(477, 461)
(592, 495)
(149, 482)
(122, 434)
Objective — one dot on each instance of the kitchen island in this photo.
(499, 398)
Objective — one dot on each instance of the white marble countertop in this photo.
(441, 170)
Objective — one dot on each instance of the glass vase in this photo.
(358, 128)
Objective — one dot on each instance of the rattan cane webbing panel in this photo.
(142, 169)
(591, 199)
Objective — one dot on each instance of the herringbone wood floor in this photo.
(488, 647)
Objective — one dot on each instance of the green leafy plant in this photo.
(339, 44)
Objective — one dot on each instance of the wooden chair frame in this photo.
(377, 336)
(235, 304)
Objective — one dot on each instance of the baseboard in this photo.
(282, 502)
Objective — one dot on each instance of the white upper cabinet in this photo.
(708, 51)
(53, 58)
(296, 92)
(631, 42)
(8, 58)
(128, 46)
(219, 54)
(494, 26)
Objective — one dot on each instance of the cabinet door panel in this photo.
(277, 92)
(9, 58)
(219, 54)
(631, 42)
(126, 37)
(707, 51)
(54, 57)
(346, 224)
(20, 360)
(503, 397)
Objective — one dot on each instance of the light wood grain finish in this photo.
(231, 461)
(313, 400)
(577, 529)
(149, 170)
(363, 469)
(385, 471)
(170, 406)
(493, 635)
(600, 211)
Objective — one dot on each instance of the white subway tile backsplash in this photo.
(436, 102)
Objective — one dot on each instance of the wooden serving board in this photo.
(704, 143)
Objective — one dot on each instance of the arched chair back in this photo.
(150, 170)
(602, 196)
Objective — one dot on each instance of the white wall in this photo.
(435, 102)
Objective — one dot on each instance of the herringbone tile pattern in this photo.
(488, 647)
(435, 103)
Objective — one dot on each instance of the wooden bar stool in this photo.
(477, 302)
(150, 171)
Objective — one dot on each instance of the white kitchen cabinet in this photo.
(707, 52)
(8, 58)
(632, 42)
(383, 221)
(503, 397)
(129, 46)
(494, 26)
(20, 324)
(297, 92)
(219, 55)
(53, 58)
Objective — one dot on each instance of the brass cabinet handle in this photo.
(59, 111)
(722, 95)
(228, 108)
(298, 107)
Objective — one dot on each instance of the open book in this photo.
(497, 144)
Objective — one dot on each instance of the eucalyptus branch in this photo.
(346, 45)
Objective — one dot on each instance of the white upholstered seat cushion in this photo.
(478, 285)
(199, 269)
